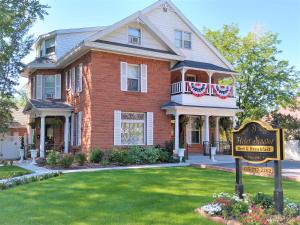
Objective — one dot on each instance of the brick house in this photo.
(128, 84)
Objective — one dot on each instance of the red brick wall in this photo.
(106, 96)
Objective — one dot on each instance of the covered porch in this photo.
(49, 126)
(196, 129)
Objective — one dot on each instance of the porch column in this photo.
(206, 122)
(176, 132)
(42, 137)
(182, 80)
(30, 135)
(234, 120)
(66, 134)
(209, 78)
(217, 132)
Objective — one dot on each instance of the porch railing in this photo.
(182, 87)
(223, 147)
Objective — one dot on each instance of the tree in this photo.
(16, 18)
(265, 82)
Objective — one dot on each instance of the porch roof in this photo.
(46, 104)
(171, 104)
(201, 65)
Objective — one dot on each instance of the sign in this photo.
(256, 170)
(257, 142)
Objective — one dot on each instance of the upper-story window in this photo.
(134, 36)
(50, 46)
(49, 87)
(183, 39)
(133, 78)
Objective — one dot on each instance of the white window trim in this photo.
(44, 86)
(192, 75)
(44, 47)
(141, 38)
(182, 40)
(139, 78)
(134, 121)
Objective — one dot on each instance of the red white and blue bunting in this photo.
(222, 91)
(198, 89)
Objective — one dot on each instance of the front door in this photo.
(49, 137)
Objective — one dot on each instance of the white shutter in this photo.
(72, 129)
(79, 127)
(189, 131)
(57, 86)
(73, 80)
(66, 79)
(80, 78)
(70, 78)
(117, 127)
(123, 74)
(39, 86)
(149, 128)
(143, 78)
(33, 88)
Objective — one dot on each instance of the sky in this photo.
(279, 16)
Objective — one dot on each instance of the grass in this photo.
(12, 171)
(140, 196)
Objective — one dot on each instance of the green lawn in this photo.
(12, 171)
(139, 196)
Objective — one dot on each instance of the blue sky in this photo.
(279, 16)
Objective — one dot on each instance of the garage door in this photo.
(9, 147)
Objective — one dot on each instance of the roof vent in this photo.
(165, 7)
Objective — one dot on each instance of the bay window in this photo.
(132, 128)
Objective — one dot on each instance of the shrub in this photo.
(119, 156)
(135, 155)
(80, 158)
(164, 156)
(262, 200)
(151, 155)
(41, 161)
(65, 160)
(169, 147)
(104, 162)
(95, 155)
(52, 158)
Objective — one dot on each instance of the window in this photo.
(183, 39)
(50, 46)
(132, 128)
(191, 77)
(133, 78)
(49, 86)
(134, 36)
(178, 39)
(195, 130)
(77, 78)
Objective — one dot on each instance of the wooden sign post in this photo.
(258, 142)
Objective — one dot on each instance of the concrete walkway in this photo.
(36, 171)
(201, 159)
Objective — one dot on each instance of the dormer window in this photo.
(134, 36)
(50, 46)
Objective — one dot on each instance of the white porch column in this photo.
(42, 137)
(234, 120)
(210, 87)
(217, 132)
(206, 122)
(176, 132)
(182, 80)
(66, 134)
(30, 135)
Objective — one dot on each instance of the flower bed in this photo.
(12, 182)
(251, 210)
(97, 158)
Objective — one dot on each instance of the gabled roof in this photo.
(190, 25)
(201, 65)
(140, 18)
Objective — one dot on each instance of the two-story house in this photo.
(128, 84)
